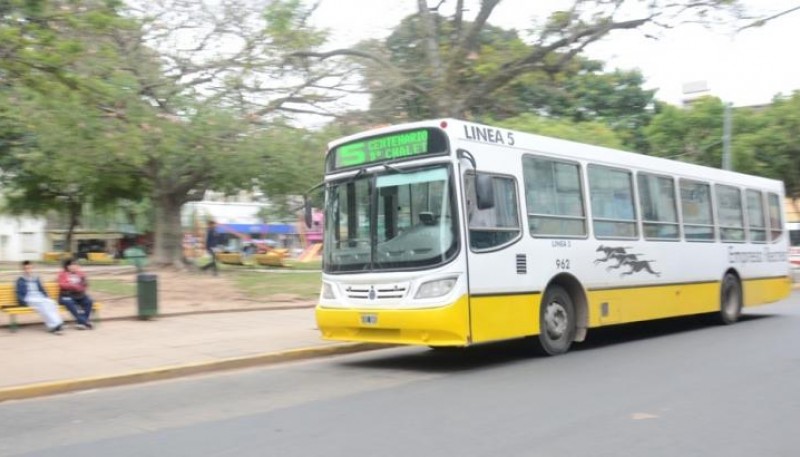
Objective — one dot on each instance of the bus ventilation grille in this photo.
(522, 264)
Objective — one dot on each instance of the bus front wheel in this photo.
(556, 321)
(730, 300)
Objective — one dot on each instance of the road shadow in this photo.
(598, 338)
(485, 356)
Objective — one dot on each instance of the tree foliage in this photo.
(773, 144)
(694, 134)
(589, 132)
(180, 91)
(61, 162)
(163, 100)
(453, 65)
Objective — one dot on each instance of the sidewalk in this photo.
(124, 350)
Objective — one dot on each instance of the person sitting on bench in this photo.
(30, 292)
(72, 284)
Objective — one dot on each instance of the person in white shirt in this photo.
(30, 292)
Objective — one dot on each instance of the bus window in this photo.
(698, 221)
(658, 207)
(348, 227)
(755, 217)
(496, 226)
(416, 228)
(554, 198)
(730, 213)
(775, 222)
(613, 213)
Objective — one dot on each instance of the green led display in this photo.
(382, 149)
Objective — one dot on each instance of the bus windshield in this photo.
(390, 221)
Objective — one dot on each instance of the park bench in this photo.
(10, 306)
(51, 257)
(273, 258)
(100, 258)
(231, 258)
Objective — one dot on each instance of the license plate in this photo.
(369, 319)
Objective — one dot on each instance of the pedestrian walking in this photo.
(212, 239)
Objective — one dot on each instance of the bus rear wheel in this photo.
(556, 321)
(730, 307)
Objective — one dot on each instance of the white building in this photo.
(22, 238)
(222, 212)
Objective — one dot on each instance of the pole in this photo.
(727, 127)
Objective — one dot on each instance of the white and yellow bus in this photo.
(450, 233)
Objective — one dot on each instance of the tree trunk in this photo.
(168, 249)
(73, 214)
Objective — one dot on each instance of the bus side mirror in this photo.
(307, 211)
(484, 190)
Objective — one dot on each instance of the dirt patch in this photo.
(180, 291)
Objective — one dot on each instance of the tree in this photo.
(61, 162)
(590, 132)
(458, 69)
(210, 83)
(774, 145)
(183, 87)
(694, 134)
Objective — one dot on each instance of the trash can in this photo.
(147, 295)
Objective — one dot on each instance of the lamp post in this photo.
(727, 130)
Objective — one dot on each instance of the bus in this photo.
(450, 233)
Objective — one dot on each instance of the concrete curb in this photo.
(176, 371)
(134, 317)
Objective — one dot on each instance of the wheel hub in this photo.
(555, 319)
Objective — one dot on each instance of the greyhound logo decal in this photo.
(622, 258)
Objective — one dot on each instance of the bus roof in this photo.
(459, 130)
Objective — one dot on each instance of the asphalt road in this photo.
(676, 388)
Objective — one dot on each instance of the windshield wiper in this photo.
(395, 169)
(359, 173)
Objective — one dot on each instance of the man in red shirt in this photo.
(72, 284)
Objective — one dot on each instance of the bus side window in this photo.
(613, 210)
(756, 219)
(775, 220)
(554, 197)
(731, 214)
(658, 207)
(496, 226)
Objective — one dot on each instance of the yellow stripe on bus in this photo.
(767, 290)
(444, 326)
(502, 317)
(508, 316)
(652, 302)
(655, 302)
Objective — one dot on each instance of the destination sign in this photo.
(392, 147)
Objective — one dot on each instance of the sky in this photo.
(745, 68)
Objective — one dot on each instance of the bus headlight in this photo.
(328, 291)
(433, 289)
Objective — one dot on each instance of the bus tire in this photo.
(730, 307)
(556, 321)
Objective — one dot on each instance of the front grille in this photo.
(380, 292)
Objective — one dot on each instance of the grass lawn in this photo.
(259, 285)
(315, 265)
(114, 287)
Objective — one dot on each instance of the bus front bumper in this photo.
(442, 326)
